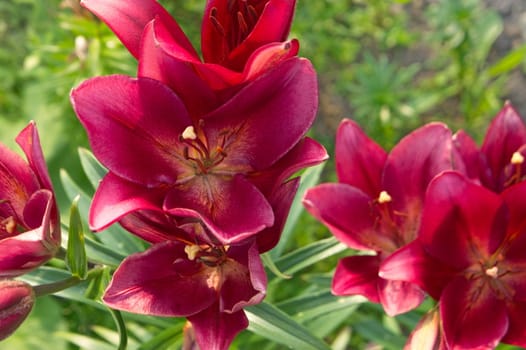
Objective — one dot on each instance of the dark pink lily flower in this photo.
(209, 285)
(377, 205)
(499, 162)
(206, 170)
(469, 255)
(240, 41)
(16, 301)
(29, 225)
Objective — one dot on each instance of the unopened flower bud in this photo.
(16, 301)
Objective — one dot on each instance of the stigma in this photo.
(492, 272)
(384, 197)
(517, 158)
(189, 133)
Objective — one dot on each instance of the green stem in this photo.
(55, 287)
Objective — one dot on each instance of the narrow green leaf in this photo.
(272, 323)
(76, 253)
(93, 169)
(85, 342)
(172, 336)
(309, 178)
(308, 255)
(269, 263)
(508, 62)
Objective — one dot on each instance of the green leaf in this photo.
(93, 169)
(121, 328)
(309, 178)
(269, 263)
(308, 255)
(85, 342)
(76, 252)
(272, 323)
(508, 62)
(170, 337)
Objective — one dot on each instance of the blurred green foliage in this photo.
(391, 65)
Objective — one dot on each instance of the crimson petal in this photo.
(232, 209)
(161, 281)
(215, 330)
(127, 20)
(357, 275)
(132, 125)
(398, 297)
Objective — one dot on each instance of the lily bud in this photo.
(16, 301)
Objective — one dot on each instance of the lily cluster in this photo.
(29, 225)
(437, 215)
(200, 154)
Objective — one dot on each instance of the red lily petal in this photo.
(164, 60)
(28, 250)
(29, 141)
(398, 297)
(116, 197)
(132, 125)
(306, 153)
(473, 166)
(244, 281)
(348, 214)
(413, 162)
(161, 281)
(232, 209)
(357, 275)
(359, 160)
(464, 309)
(215, 330)
(516, 334)
(281, 201)
(268, 56)
(505, 135)
(128, 19)
(285, 98)
(462, 221)
(412, 264)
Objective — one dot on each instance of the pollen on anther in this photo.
(191, 251)
(384, 197)
(189, 133)
(492, 272)
(517, 158)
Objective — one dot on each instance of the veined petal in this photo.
(505, 135)
(398, 297)
(244, 279)
(17, 181)
(29, 141)
(414, 161)
(215, 330)
(462, 222)
(127, 20)
(132, 126)
(357, 275)
(464, 310)
(359, 160)
(116, 198)
(268, 56)
(306, 153)
(284, 98)
(516, 334)
(165, 60)
(348, 213)
(161, 281)
(233, 209)
(474, 163)
(412, 264)
(281, 201)
(28, 250)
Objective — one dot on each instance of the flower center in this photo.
(243, 16)
(197, 151)
(210, 256)
(516, 161)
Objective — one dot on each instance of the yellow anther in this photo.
(517, 158)
(384, 197)
(191, 251)
(492, 272)
(189, 133)
(9, 224)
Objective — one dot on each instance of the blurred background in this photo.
(392, 65)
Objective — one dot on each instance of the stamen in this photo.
(217, 26)
(9, 224)
(517, 158)
(492, 272)
(189, 133)
(243, 27)
(384, 197)
(191, 251)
